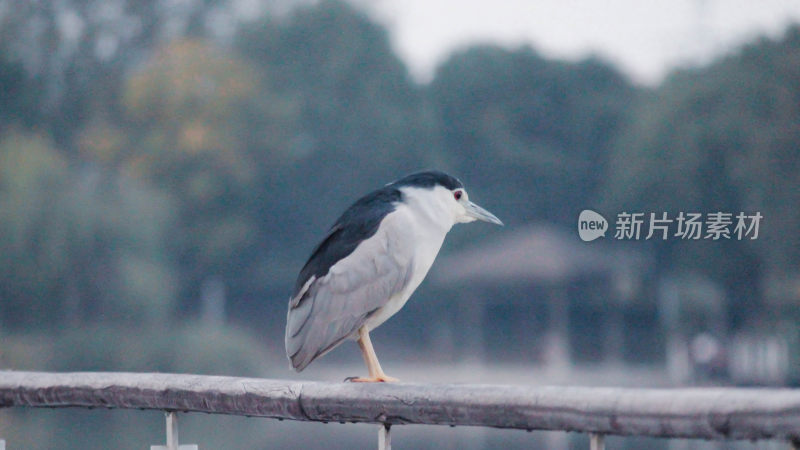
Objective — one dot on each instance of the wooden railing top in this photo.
(709, 413)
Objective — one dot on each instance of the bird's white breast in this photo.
(412, 231)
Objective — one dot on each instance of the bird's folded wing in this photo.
(331, 308)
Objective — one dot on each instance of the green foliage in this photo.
(19, 96)
(723, 138)
(359, 123)
(77, 246)
(357, 105)
(33, 228)
(79, 52)
(185, 103)
(203, 126)
(515, 122)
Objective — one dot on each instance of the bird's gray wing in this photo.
(331, 308)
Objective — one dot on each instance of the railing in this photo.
(707, 413)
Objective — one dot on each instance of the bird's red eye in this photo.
(457, 194)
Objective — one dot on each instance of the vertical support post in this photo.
(385, 437)
(2, 444)
(597, 441)
(557, 355)
(172, 435)
(172, 431)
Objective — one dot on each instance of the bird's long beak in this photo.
(479, 213)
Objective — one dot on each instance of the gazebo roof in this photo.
(534, 253)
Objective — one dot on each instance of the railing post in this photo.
(597, 441)
(172, 435)
(385, 437)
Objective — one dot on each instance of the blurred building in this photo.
(539, 294)
(701, 346)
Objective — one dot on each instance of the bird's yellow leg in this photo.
(371, 359)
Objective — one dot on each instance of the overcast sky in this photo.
(645, 38)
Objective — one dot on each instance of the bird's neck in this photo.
(438, 223)
(433, 215)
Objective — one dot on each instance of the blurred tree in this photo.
(19, 95)
(186, 101)
(362, 122)
(33, 253)
(202, 128)
(76, 246)
(79, 51)
(357, 102)
(533, 133)
(721, 138)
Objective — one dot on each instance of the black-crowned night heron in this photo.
(369, 264)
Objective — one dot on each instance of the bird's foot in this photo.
(383, 378)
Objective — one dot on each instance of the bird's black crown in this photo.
(429, 179)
